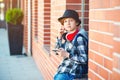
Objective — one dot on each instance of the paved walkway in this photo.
(17, 67)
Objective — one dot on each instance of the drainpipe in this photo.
(82, 13)
(29, 28)
(11, 4)
(18, 3)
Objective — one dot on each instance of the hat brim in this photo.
(61, 20)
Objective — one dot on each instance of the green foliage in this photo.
(14, 16)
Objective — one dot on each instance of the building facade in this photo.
(99, 17)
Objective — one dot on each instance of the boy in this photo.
(74, 49)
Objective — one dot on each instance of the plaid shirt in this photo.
(77, 63)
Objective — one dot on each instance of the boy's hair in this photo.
(62, 21)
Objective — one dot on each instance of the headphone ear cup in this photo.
(77, 24)
(64, 36)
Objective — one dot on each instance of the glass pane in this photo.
(1, 0)
(2, 5)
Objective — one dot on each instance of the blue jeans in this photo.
(63, 76)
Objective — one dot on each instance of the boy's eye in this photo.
(71, 20)
(68, 20)
(65, 21)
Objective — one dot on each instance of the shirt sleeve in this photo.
(80, 54)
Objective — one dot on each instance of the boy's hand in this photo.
(61, 31)
(63, 53)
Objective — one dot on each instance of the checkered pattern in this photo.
(77, 63)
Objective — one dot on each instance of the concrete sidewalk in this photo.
(18, 67)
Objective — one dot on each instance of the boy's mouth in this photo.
(69, 26)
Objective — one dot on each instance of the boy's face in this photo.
(70, 24)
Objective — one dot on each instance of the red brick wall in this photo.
(116, 38)
(46, 23)
(34, 17)
(86, 15)
(104, 40)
